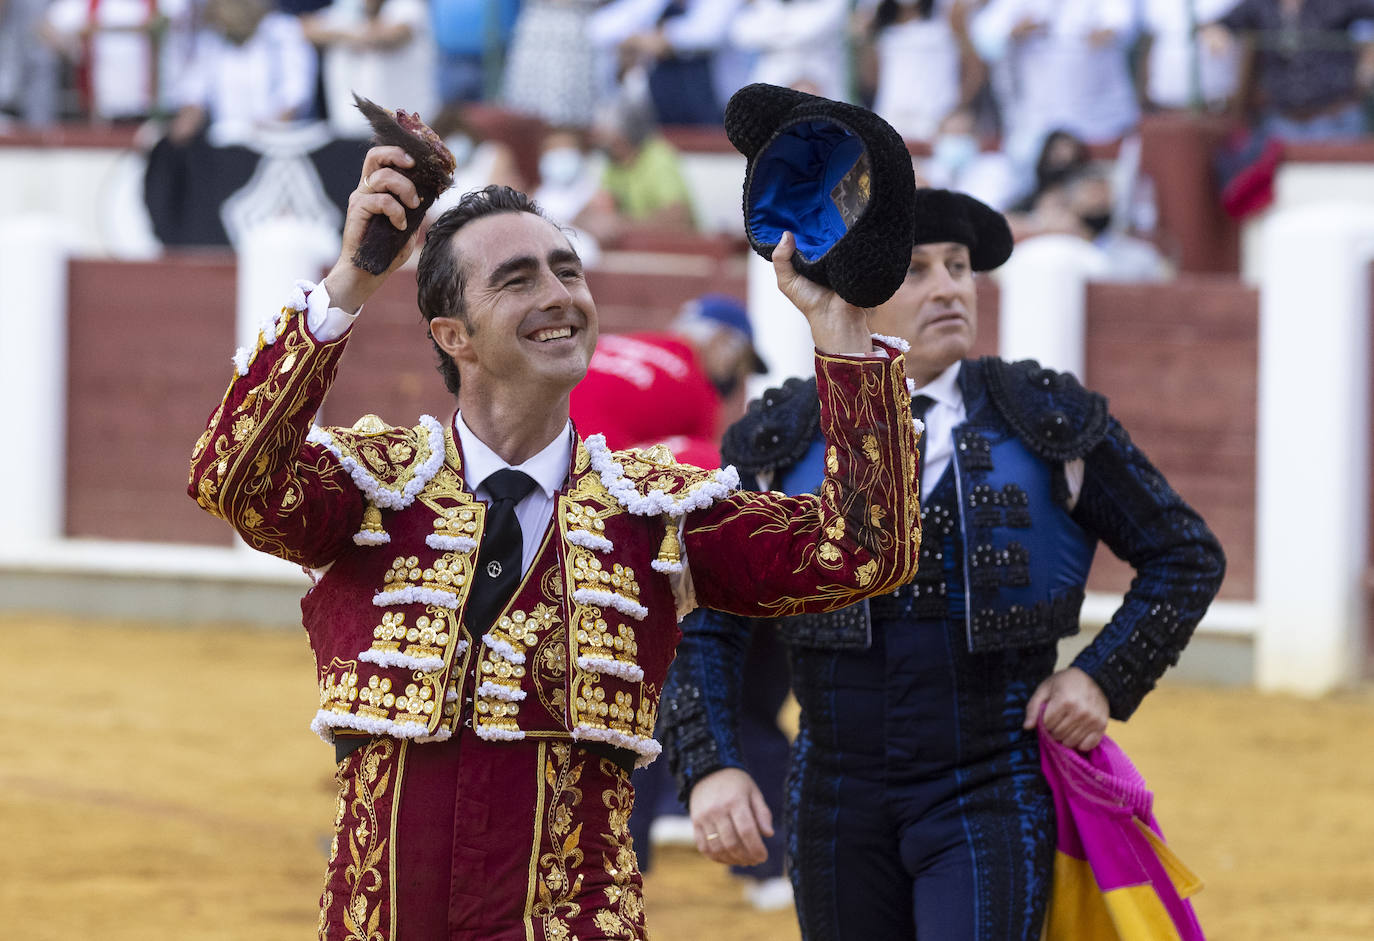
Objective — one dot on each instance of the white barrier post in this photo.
(1312, 488)
(1043, 302)
(781, 334)
(272, 257)
(33, 377)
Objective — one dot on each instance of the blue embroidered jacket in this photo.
(1025, 554)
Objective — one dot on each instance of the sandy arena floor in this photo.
(163, 784)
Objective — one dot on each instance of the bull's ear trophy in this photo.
(432, 174)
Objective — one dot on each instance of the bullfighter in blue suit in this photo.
(915, 802)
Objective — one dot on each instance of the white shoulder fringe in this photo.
(384, 496)
(656, 503)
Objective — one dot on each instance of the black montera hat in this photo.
(837, 177)
(947, 216)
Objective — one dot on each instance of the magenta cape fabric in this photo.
(1115, 878)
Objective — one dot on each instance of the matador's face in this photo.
(531, 323)
(935, 309)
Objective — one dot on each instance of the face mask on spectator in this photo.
(560, 166)
(953, 152)
(1096, 222)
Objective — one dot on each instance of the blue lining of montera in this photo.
(790, 188)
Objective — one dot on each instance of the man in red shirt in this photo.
(680, 387)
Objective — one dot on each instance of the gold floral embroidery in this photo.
(550, 669)
(866, 572)
(367, 844)
(870, 447)
(556, 889)
(243, 427)
(623, 916)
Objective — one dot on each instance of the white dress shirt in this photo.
(549, 468)
(947, 413)
(944, 415)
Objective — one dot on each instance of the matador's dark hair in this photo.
(440, 281)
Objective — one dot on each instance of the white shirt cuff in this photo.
(326, 323)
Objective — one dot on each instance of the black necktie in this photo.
(498, 559)
(920, 404)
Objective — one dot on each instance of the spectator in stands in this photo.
(798, 44)
(919, 44)
(380, 49)
(551, 71)
(569, 177)
(1081, 202)
(682, 51)
(479, 161)
(472, 36)
(958, 161)
(251, 66)
(1061, 154)
(1179, 71)
(643, 185)
(28, 65)
(679, 387)
(130, 54)
(1059, 64)
(1306, 65)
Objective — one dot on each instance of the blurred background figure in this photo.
(1081, 200)
(381, 49)
(1061, 154)
(1059, 64)
(28, 65)
(128, 54)
(916, 63)
(1178, 70)
(798, 44)
(681, 387)
(479, 162)
(1308, 76)
(569, 176)
(472, 36)
(642, 185)
(674, 52)
(551, 71)
(250, 66)
(959, 161)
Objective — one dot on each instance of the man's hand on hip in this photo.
(1076, 709)
(382, 191)
(730, 818)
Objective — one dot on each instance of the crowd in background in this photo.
(1008, 95)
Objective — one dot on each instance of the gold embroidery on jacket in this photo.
(368, 840)
(499, 678)
(623, 916)
(865, 503)
(556, 888)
